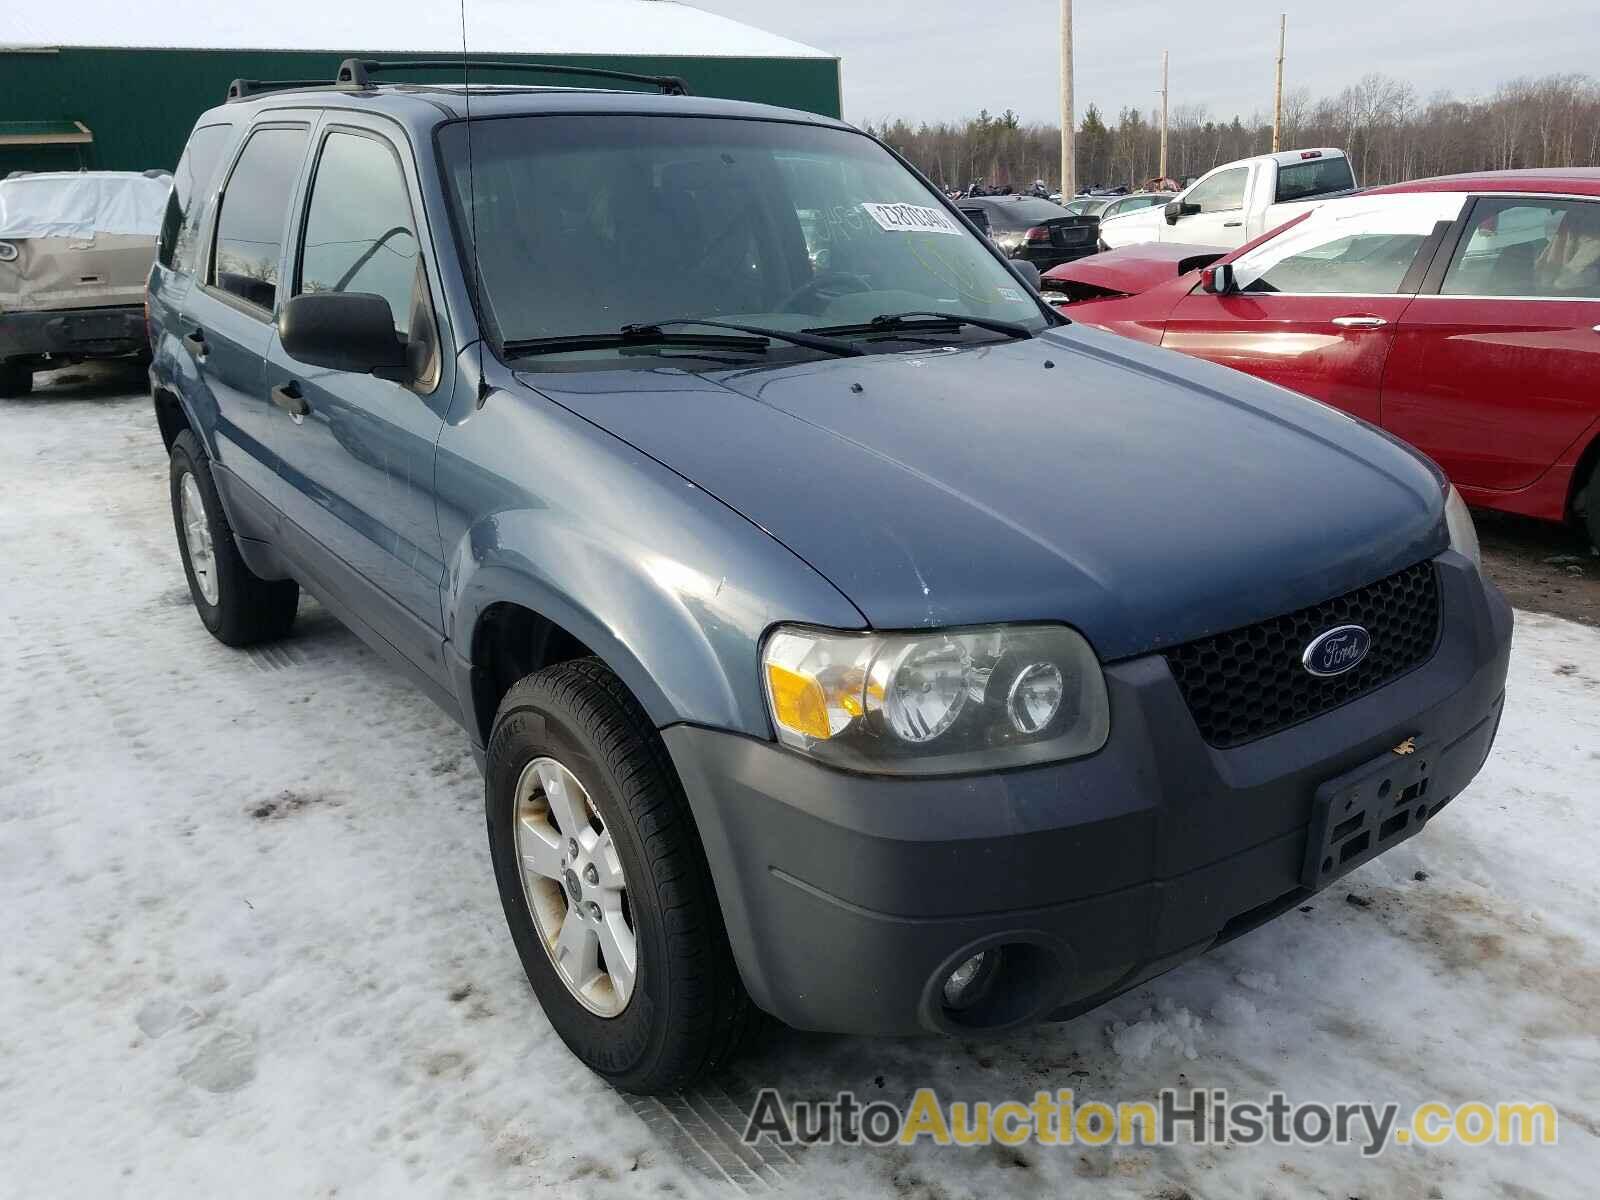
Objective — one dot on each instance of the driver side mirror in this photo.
(1180, 208)
(1025, 271)
(1219, 280)
(345, 331)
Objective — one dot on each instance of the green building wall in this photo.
(141, 104)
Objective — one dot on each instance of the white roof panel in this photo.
(602, 27)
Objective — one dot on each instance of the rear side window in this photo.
(1314, 177)
(190, 184)
(1223, 192)
(359, 232)
(1528, 247)
(254, 210)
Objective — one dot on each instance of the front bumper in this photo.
(848, 899)
(106, 332)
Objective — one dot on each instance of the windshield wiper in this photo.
(655, 334)
(632, 336)
(807, 339)
(889, 323)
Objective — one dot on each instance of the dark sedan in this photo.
(1032, 229)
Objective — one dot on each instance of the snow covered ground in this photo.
(250, 943)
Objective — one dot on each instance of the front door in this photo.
(1219, 221)
(358, 450)
(1317, 306)
(1494, 373)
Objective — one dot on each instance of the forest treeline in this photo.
(1390, 132)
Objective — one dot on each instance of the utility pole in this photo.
(1163, 171)
(1069, 182)
(1277, 92)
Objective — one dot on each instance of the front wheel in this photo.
(604, 883)
(1592, 506)
(234, 603)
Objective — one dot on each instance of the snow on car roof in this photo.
(608, 27)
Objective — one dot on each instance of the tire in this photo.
(16, 380)
(688, 1011)
(1592, 505)
(245, 608)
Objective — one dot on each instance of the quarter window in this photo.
(255, 207)
(1223, 192)
(190, 183)
(1523, 247)
(359, 232)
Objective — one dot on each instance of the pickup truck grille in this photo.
(1247, 683)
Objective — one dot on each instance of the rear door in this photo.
(227, 321)
(1495, 367)
(1220, 219)
(178, 245)
(357, 451)
(1318, 304)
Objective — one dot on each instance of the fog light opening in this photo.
(1001, 985)
(970, 982)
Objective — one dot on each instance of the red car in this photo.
(1461, 314)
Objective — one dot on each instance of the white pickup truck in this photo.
(1238, 201)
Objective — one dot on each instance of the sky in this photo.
(941, 59)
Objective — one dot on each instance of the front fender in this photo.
(670, 587)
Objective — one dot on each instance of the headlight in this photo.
(1463, 533)
(936, 702)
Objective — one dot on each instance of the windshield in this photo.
(589, 223)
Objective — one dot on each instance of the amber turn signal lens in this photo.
(798, 702)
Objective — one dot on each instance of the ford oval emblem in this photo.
(1336, 651)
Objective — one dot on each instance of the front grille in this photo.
(1249, 682)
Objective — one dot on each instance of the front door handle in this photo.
(1232, 224)
(1360, 322)
(196, 341)
(287, 397)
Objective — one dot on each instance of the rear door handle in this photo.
(1360, 322)
(1232, 224)
(196, 341)
(287, 397)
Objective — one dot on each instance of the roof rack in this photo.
(243, 89)
(358, 72)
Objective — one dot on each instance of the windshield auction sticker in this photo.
(911, 218)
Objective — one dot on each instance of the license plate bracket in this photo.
(1368, 810)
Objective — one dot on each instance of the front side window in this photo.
(588, 223)
(1355, 247)
(190, 183)
(360, 235)
(1528, 247)
(254, 210)
(1223, 192)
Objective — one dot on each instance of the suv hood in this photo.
(1144, 497)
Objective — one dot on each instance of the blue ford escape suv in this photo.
(842, 633)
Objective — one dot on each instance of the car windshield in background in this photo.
(1314, 177)
(586, 224)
